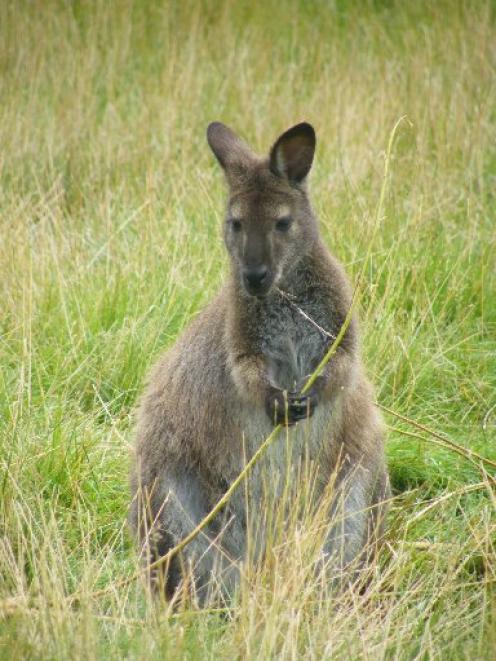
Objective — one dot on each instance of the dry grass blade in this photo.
(469, 454)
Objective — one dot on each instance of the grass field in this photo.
(110, 213)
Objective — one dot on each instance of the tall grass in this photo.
(110, 208)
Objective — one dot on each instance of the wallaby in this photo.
(239, 368)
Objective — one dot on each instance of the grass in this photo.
(110, 208)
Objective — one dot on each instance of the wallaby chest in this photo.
(292, 347)
(290, 342)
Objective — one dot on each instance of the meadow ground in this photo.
(110, 213)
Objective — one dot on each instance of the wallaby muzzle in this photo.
(257, 280)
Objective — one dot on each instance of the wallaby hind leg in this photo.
(376, 520)
(348, 527)
(163, 514)
(357, 520)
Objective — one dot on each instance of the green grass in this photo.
(110, 212)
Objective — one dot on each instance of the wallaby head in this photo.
(269, 222)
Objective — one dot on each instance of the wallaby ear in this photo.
(232, 153)
(292, 154)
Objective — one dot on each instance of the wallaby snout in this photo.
(257, 280)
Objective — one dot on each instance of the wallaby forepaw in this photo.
(288, 408)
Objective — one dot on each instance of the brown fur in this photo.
(210, 400)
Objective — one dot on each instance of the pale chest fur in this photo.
(292, 464)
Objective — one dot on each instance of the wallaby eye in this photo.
(283, 224)
(235, 224)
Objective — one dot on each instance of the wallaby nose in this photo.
(256, 277)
